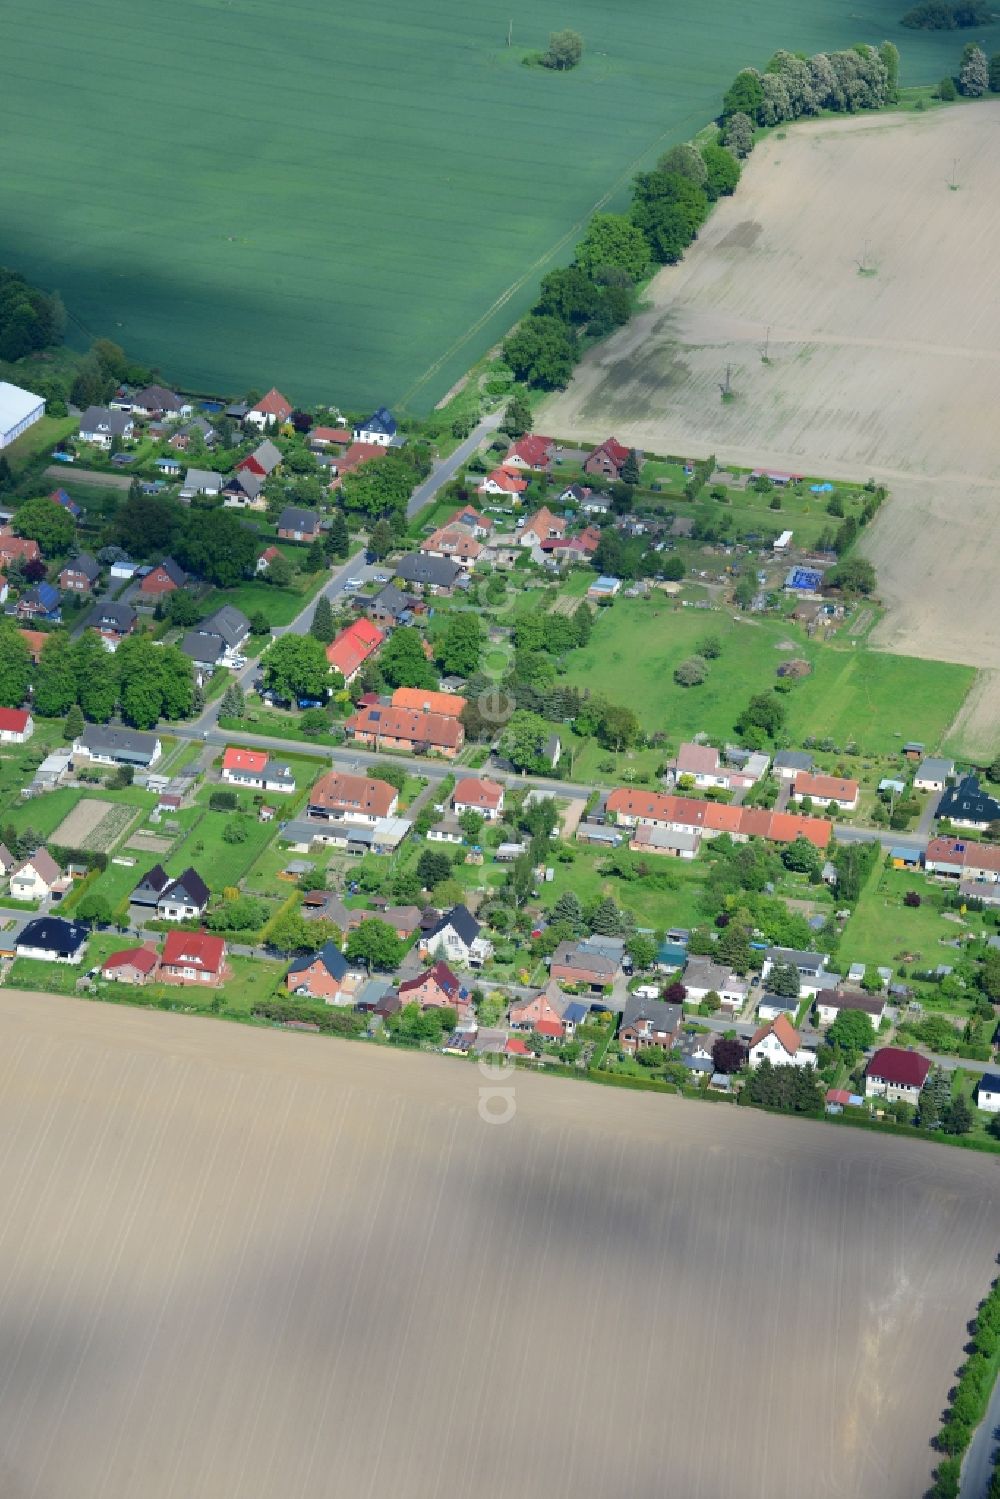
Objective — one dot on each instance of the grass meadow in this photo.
(352, 204)
(877, 699)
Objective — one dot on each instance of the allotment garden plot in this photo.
(846, 250)
(94, 824)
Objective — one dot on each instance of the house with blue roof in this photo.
(324, 975)
(40, 602)
(380, 429)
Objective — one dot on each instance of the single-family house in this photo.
(895, 1074)
(325, 437)
(771, 1006)
(99, 426)
(390, 606)
(703, 976)
(933, 773)
(503, 483)
(826, 791)
(150, 887)
(231, 628)
(594, 966)
(438, 575)
(198, 429)
(353, 647)
(296, 524)
(337, 797)
(16, 725)
(183, 899)
(164, 578)
(35, 641)
(457, 937)
(201, 481)
(109, 744)
(52, 939)
(158, 401)
(476, 794)
(457, 543)
(434, 989)
(779, 1043)
(380, 429)
(790, 763)
(540, 1012)
(244, 491)
(35, 877)
(16, 548)
(193, 958)
(270, 411)
(263, 461)
(543, 526)
(257, 771)
(113, 622)
(810, 967)
(958, 858)
(531, 452)
(130, 965)
(325, 975)
(80, 574)
(40, 602)
(357, 454)
(265, 559)
(649, 1022)
(701, 762)
(608, 460)
(829, 1003)
(988, 1093)
(967, 805)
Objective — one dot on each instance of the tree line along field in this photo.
(350, 204)
(875, 699)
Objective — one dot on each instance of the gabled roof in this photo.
(906, 1069)
(697, 759)
(156, 880)
(532, 449)
(471, 791)
(462, 922)
(336, 791)
(967, 802)
(229, 622)
(294, 518)
(265, 457)
(142, 958)
(381, 420)
(616, 451)
(127, 744)
(42, 862)
(420, 699)
(244, 759)
(194, 949)
(357, 454)
(157, 398)
(329, 957)
(661, 1015)
(383, 721)
(785, 1032)
(440, 974)
(438, 572)
(353, 646)
(835, 787)
(788, 759)
(189, 884)
(273, 404)
(170, 569)
(202, 647)
(84, 564)
(119, 617)
(14, 720)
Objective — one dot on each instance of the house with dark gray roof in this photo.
(439, 574)
(113, 622)
(110, 744)
(150, 887)
(390, 605)
(184, 899)
(80, 573)
(649, 1022)
(52, 939)
(296, 524)
(788, 763)
(456, 936)
(99, 425)
(968, 806)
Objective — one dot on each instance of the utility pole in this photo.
(510, 31)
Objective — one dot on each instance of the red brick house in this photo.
(324, 975)
(131, 965)
(608, 460)
(164, 578)
(537, 1014)
(193, 957)
(434, 990)
(382, 726)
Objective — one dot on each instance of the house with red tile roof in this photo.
(270, 410)
(256, 769)
(895, 1074)
(479, 525)
(543, 526)
(337, 797)
(266, 557)
(193, 958)
(16, 548)
(779, 1043)
(433, 989)
(505, 483)
(825, 791)
(537, 1013)
(608, 460)
(448, 704)
(385, 727)
(475, 794)
(16, 725)
(353, 647)
(130, 965)
(532, 452)
(34, 640)
(325, 437)
(454, 542)
(633, 807)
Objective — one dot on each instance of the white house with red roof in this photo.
(353, 647)
(473, 794)
(826, 791)
(193, 958)
(896, 1075)
(532, 452)
(16, 726)
(543, 526)
(256, 770)
(270, 410)
(779, 1043)
(265, 559)
(504, 483)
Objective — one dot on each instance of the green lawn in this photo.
(219, 863)
(879, 699)
(39, 438)
(280, 605)
(434, 104)
(882, 930)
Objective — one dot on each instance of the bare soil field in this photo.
(94, 824)
(256, 1264)
(891, 373)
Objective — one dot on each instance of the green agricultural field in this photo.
(352, 202)
(879, 700)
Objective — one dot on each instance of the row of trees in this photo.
(792, 85)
